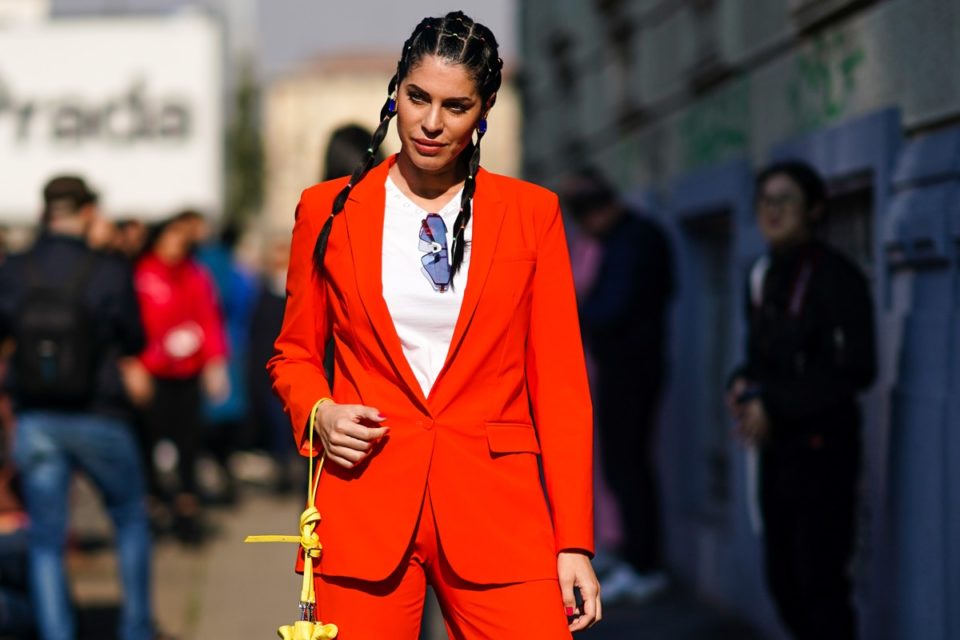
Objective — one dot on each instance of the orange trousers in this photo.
(392, 609)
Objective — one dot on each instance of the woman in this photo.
(810, 352)
(457, 361)
(184, 356)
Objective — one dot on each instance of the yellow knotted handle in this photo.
(309, 520)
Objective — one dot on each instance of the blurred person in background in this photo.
(810, 352)
(185, 357)
(132, 235)
(74, 317)
(16, 610)
(226, 419)
(272, 424)
(3, 243)
(345, 150)
(104, 235)
(623, 319)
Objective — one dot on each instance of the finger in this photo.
(349, 442)
(347, 429)
(351, 455)
(343, 462)
(579, 624)
(370, 413)
(590, 593)
(566, 592)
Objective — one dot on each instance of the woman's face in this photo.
(438, 108)
(782, 214)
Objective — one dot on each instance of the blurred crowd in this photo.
(168, 326)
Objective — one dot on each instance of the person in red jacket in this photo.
(184, 357)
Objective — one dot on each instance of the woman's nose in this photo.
(433, 121)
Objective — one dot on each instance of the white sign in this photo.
(132, 105)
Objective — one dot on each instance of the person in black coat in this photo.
(623, 320)
(810, 352)
(72, 314)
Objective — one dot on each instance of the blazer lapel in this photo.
(488, 214)
(364, 212)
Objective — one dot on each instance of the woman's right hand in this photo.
(345, 431)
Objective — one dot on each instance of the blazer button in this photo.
(428, 424)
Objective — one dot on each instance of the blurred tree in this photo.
(244, 151)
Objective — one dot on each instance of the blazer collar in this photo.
(364, 219)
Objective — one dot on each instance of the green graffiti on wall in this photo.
(825, 80)
(718, 126)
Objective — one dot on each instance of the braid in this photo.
(466, 209)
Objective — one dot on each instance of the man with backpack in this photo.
(72, 316)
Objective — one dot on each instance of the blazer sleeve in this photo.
(296, 368)
(559, 391)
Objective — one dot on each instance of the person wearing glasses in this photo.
(458, 372)
(810, 352)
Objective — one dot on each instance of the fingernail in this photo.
(381, 416)
(570, 611)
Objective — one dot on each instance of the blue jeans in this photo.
(49, 446)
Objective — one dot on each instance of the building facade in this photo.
(680, 101)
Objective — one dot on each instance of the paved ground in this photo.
(231, 590)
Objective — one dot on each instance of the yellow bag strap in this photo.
(309, 519)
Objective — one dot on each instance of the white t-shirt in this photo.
(423, 316)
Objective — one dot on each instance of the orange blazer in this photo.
(513, 387)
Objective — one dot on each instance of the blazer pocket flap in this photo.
(512, 437)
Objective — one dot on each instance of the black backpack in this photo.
(56, 359)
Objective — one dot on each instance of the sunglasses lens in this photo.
(437, 267)
(433, 240)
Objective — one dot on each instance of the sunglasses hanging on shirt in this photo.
(436, 262)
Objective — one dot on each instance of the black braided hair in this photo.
(458, 39)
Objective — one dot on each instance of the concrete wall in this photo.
(683, 110)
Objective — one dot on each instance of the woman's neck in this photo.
(427, 187)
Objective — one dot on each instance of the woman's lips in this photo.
(427, 147)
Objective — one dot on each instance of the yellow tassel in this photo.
(304, 630)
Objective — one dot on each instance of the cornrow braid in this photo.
(458, 39)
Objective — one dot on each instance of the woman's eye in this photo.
(416, 97)
(457, 108)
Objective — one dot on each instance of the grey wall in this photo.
(688, 109)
